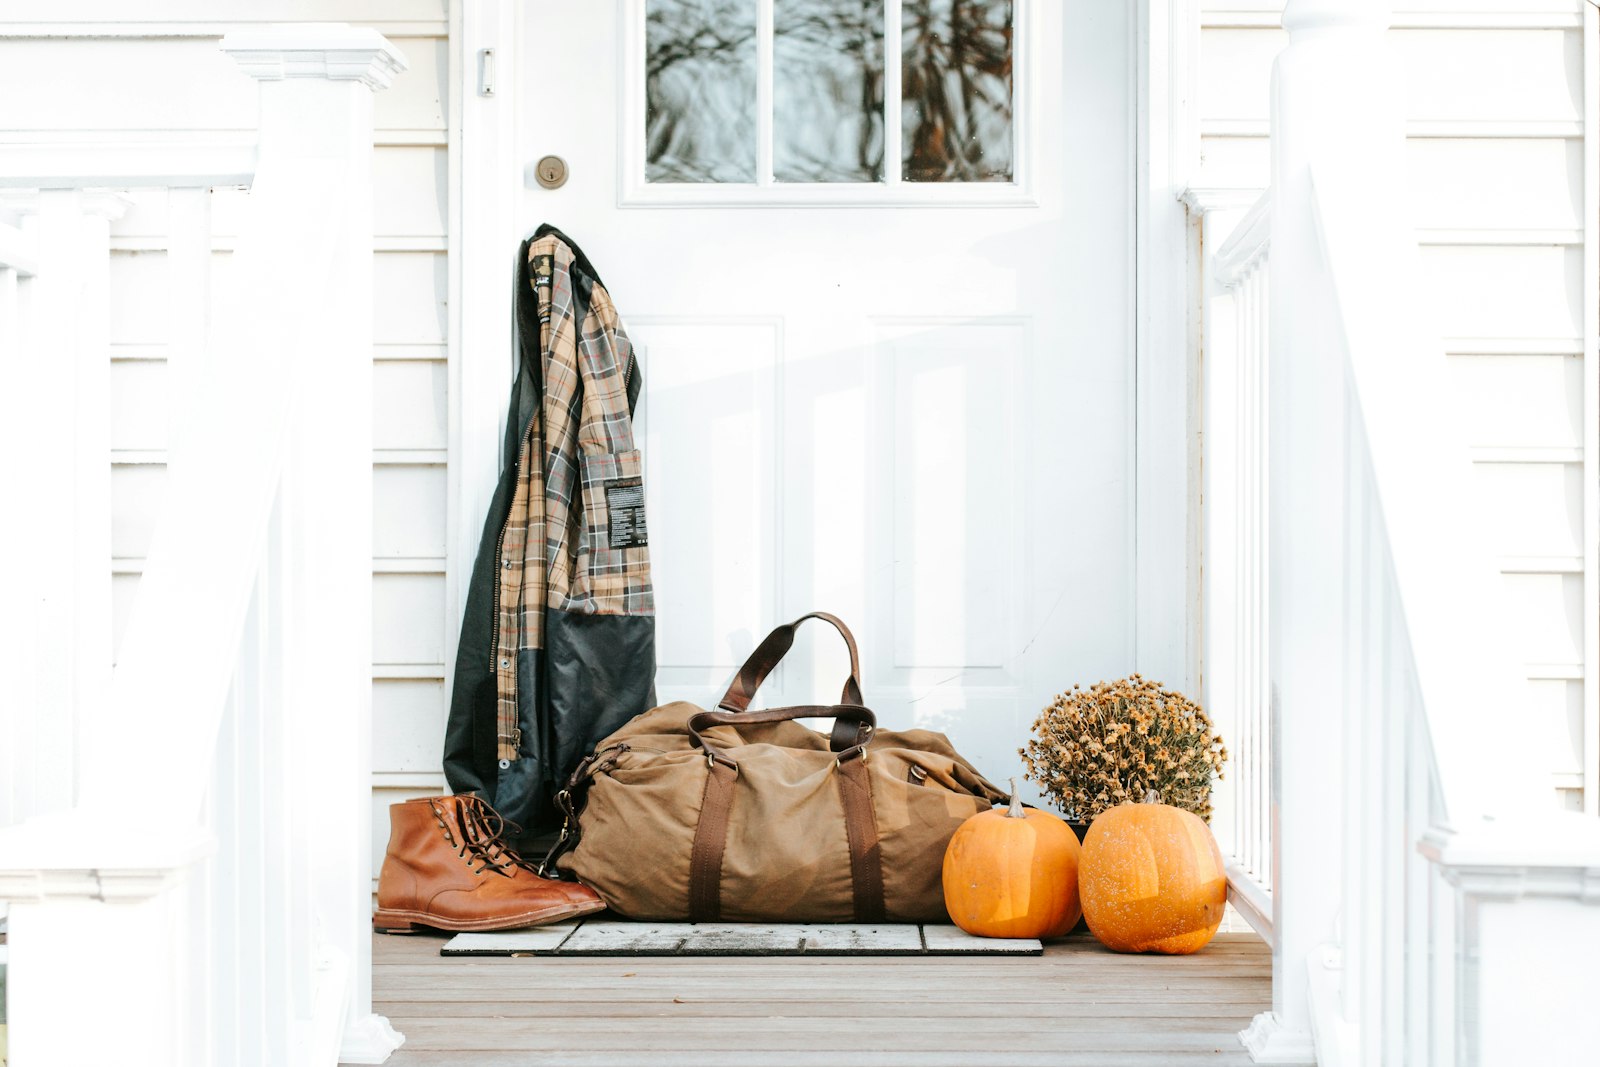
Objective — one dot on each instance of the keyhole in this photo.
(551, 172)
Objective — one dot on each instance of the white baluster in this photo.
(188, 288)
(1235, 279)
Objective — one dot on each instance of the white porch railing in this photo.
(189, 885)
(1424, 908)
(1236, 570)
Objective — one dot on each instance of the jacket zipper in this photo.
(494, 640)
(499, 554)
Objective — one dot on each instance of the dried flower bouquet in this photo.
(1096, 748)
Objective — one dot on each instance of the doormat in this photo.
(611, 937)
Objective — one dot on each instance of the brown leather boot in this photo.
(449, 866)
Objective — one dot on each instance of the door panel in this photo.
(710, 423)
(914, 414)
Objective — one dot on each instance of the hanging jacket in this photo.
(558, 642)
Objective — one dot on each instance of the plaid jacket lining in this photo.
(556, 548)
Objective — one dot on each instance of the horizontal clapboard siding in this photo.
(161, 77)
(1497, 169)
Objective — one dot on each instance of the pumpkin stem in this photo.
(1015, 811)
(1152, 797)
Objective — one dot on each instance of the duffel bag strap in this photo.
(771, 651)
(855, 795)
(861, 830)
(710, 841)
(570, 802)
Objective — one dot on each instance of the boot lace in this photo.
(483, 837)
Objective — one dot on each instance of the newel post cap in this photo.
(331, 50)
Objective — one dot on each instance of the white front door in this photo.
(887, 345)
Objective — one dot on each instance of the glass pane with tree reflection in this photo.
(827, 90)
(956, 86)
(700, 90)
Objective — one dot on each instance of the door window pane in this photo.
(955, 112)
(827, 90)
(700, 90)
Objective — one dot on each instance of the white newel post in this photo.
(1322, 99)
(317, 85)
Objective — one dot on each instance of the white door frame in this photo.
(1164, 499)
(482, 79)
(1168, 642)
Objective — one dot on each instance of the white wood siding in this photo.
(160, 76)
(1501, 148)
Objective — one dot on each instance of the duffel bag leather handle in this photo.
(772, 650)
(861, 723)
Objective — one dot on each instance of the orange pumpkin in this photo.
(1151, 880)
(1012, 872)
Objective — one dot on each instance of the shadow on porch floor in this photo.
(1077, 1004)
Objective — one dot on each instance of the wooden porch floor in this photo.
(1077, 1004)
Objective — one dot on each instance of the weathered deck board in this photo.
(614, 937)
(1076, 1004)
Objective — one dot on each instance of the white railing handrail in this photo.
(101, 163)
(1467, 816)
(1448, 581)
(177, 658)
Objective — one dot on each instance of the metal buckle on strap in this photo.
(859, 753)
(713, 758)
(546, 868)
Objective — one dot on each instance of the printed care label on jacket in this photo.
(543, 268)
(625, 513)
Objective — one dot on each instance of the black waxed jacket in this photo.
(558, 641)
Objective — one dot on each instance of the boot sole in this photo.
(400, 921)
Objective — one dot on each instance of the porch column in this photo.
(317, 86)
(1328, 96)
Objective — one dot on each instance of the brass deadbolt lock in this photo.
(551, 172)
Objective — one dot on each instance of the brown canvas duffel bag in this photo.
(748, 816)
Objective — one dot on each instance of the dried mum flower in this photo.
(1094, 747)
